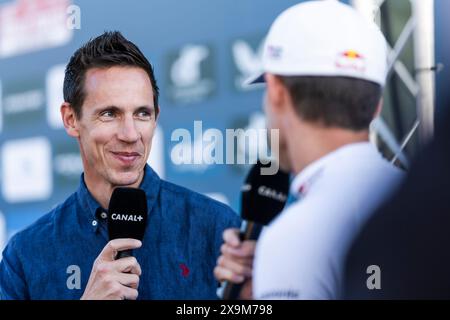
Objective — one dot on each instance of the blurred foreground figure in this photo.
(406, 243)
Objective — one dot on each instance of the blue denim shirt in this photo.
(177, 257)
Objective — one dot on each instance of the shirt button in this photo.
(103, 215)
(94, 223)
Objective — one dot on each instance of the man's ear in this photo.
(277, 93)
(70, 120)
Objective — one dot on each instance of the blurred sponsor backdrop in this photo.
(201, 51)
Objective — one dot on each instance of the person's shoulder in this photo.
(362, 173)
(383, 165)
(382, 174)
(195, 199)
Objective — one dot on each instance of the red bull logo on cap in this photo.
(351, 59)
(351, 54)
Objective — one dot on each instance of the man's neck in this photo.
(102, 190)
(310, 142)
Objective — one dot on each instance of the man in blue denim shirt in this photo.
(111, 106)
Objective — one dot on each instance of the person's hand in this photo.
(236, 261)
(114, 279)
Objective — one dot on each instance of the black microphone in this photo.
(127, 216)
(262, 198)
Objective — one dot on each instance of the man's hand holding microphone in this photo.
(115, 273)
(113, 279)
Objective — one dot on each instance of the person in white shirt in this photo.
(324, 69)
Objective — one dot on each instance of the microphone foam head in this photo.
(263, 196)
(127, 213)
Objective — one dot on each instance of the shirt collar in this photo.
(91, 209)
(304, 180)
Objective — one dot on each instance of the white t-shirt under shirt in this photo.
(300, 254)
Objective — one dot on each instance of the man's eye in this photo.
(107, 114)
(144, 114)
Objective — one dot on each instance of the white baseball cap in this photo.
(324, 38)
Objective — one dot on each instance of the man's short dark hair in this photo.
(334, 101)
(105, 51)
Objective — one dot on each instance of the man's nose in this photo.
(128, 131)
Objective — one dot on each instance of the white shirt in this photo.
(300, 254)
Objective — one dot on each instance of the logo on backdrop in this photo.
(246, 57)
(26, 170)
(191, 74)
(1, 107)
(54, 82)
(27, 26)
